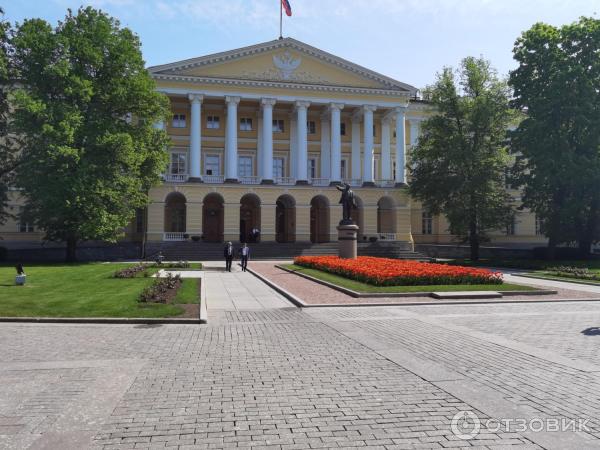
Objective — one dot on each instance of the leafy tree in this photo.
(557, 83)
(458, 166)
(87, 165)
(8, 147)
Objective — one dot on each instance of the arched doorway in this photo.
(319, 219)
(213, 223)
(175, 211)
(285, 219)
(249, 217)
(386, 217)
(358, 216)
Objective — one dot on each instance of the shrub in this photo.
(130, 272)
(172, 265)
(394, 272)
(159, 290)
(582, 273)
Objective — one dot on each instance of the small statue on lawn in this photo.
(348, 203)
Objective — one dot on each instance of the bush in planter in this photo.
(373, 239)
(196, 238)
(186, 236)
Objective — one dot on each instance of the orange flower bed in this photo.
(396, 272)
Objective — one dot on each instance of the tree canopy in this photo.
(85, 112)
(557, 83)
(8, 148)
(458, 165)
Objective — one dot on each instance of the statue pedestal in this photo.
(347, 239)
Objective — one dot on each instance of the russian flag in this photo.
(287, 7)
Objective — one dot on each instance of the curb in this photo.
(356, 294)
(107, 320)
(300, 303)
(203, 312)
(291, 297)
(564, 280)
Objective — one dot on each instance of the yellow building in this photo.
(260, 135)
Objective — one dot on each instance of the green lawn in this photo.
(553, 276)
(528, 264)
(369, 288)
(188, 292)
(78, 290)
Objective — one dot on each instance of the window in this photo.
(343, 169)
(212, 165)
(374, 130)
(538, 226)
(178, 121)
(245, 166)
(312, 168)
(278, 126)
(510, 228)
(343, 129)
(394, 170)
(24, 225)
(177, 163)
(278, 167)
(311, 126)
(245, 124)
(426, 223)
(375, 169)
(212, 122)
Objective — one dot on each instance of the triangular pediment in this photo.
(283, 60)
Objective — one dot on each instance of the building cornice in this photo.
(280, 85)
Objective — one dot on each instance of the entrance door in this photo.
(213, 218)
(249, 218)
(285, 218)
(319, 219)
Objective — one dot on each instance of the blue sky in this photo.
(409, 40)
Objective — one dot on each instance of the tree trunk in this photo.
(71, 249)
(474, 241)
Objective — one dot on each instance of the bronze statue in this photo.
(348, 203)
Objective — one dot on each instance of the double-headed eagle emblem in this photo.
(286, 64)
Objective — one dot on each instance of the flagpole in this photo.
(280, 20)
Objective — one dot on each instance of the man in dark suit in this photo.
(228, 254)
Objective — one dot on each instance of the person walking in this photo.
(228, 254)
(244, 253)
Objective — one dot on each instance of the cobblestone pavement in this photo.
(374, 377)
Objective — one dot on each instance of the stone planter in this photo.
(20, 280)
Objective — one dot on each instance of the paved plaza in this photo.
(264, 374)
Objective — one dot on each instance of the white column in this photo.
(259, 145)
(267, 140)
(302, 146)
(356, 172)
(195, 137)
(400, 145)
(336, 142)
(386, 157)
(415, 129)
(325, 147)
(231, 150)
(369, 146)
(293, 145)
